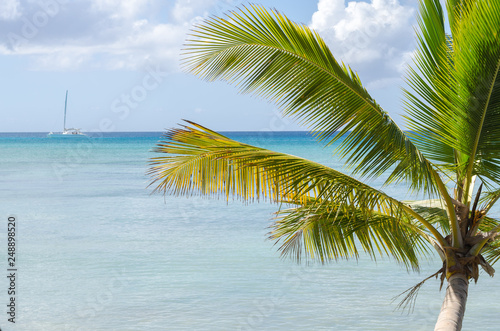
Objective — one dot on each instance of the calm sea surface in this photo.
(96, 251)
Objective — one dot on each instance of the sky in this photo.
(120, 62)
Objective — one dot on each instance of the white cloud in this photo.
(185, 10)
(120, 8)
(102, 34)
(373, 37)
(123, 34)
(10, 10)
(144, 43)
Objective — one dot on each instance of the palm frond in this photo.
(477, 72)
(427, 104)
(453, 8)
(488, 224)
(491, 252)
(457, 117)
(267, 54)
(430, 109)
(490, 198)
(332, 232)
(434, 211)
(201, 161)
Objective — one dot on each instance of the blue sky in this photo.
(119, 59)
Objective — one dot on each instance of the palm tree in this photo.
(451, 153)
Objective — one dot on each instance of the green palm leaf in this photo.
(491, 252)
(267, 54)
(201, 161)
(331, 232)
(426, 102)
(433, 211)
(455, 108)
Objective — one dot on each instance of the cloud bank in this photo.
(375, 38)
(99, 34)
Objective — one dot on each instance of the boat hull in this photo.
(62, 135)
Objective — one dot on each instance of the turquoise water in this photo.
(97, 251)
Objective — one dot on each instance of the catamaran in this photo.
(67, 132)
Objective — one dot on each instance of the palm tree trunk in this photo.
(453, 308)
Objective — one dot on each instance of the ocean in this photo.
(95, 250)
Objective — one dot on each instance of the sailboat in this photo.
(67, 132)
